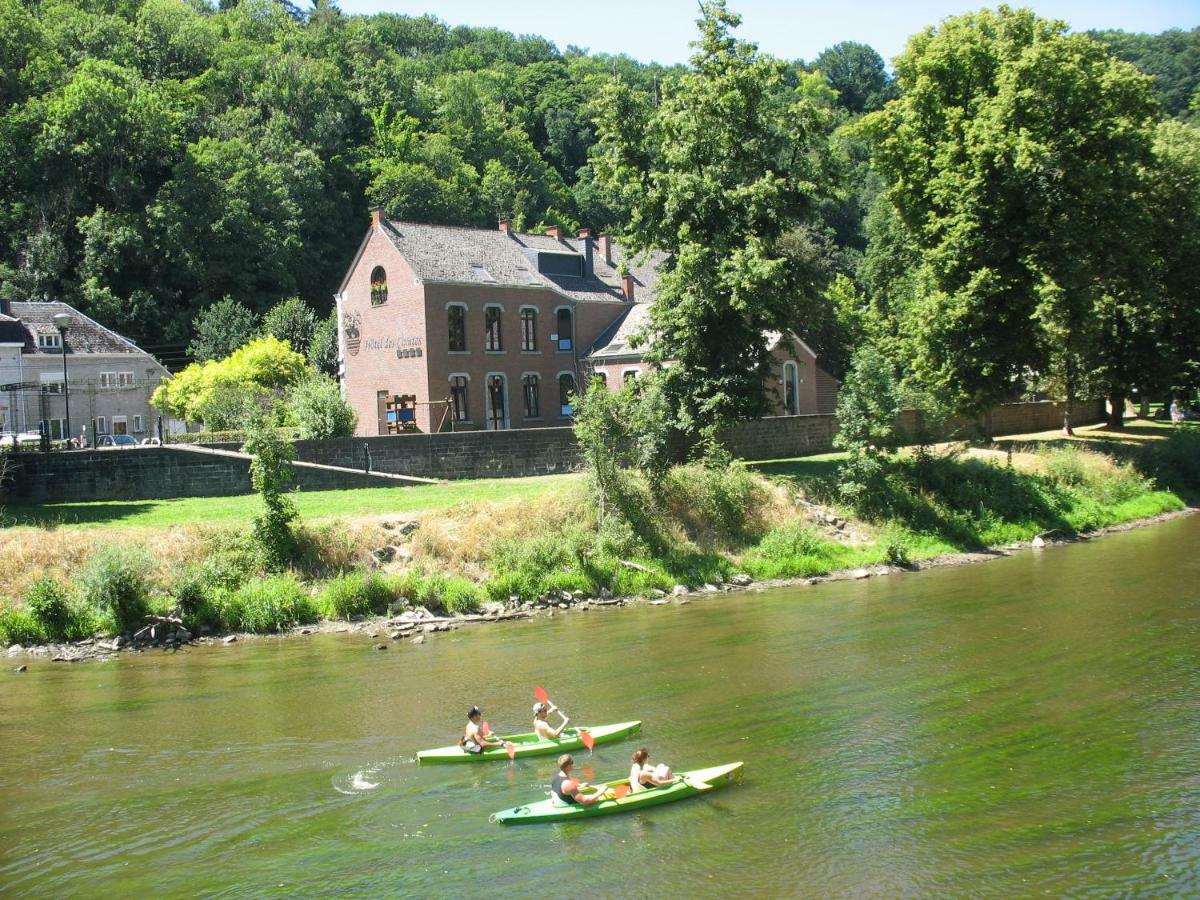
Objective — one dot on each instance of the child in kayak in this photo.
(541, 724)
(643, 776)
(473, 739)
(568, 790)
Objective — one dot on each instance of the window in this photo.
(120, 425)
(497, 395)
(629, 375)
(458, 397)
(101, 426)
(137, 425)
(529, 385)
(125, 379)
(565, 331)
(791, 391)
(491, 328)
(601, 377)
(378, 286)
(528, 328)
(58, 429)
(566, 389)
(456, 327)
(52, 387)
(49, 341)
(108, 380)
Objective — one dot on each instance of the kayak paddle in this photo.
(585, 738)
(509, 747)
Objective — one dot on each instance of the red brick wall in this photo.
(389, 353)
(806, 376)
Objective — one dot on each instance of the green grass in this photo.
(348, 504)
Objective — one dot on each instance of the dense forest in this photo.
(157, 156)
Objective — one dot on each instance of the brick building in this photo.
(496, 329)
(110, 379)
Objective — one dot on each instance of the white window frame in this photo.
(51, 383)
(558, 338)
(537, 314)
(124, 379)
(138, 425)
(541, 416)
(487, 402)
(48, 341)
(570, 410)
(467, 406)
(466, 334)
(101, 425)
(630, 375)
(124, 420)
(486, 307)
(62, 429)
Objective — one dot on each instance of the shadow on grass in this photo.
(52, 515)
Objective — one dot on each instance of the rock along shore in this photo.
(416, 625)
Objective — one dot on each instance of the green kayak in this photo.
(529, 744)
(698, 781)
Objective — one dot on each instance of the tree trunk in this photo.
(1070, 385)
(1144, 408)
(1116, 409)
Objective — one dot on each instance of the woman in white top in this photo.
(643, 776)
(541, 724)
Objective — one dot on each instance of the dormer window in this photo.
(378, 286)
(560, 264)
(49, 341)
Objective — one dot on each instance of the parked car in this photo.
(151, 442)
(116, 440)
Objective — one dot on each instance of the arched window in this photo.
(791, 389)
(458, 398)
(528, 328)
(491, 328)
(566, 331)
(378, 286)
(497, 397)
(456, 327)
(529, 384)
(566, 390)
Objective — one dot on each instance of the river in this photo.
(1021, 726)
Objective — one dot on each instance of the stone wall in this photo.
(468, 454)
(152, 473)
(781, 437)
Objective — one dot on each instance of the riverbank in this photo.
(89, 591)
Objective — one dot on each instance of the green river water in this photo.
(1024, 726)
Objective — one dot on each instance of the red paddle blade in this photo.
(540, 693)
(510, 749)
(588, 740)
(621, 791)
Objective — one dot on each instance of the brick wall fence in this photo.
(157, 473)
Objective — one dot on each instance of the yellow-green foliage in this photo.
(259, 368)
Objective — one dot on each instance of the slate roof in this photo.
(84, 335)
(613, 342)
(446, 253)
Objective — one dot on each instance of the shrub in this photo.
(355, 594)
(267, 605)
(720, 501)
(317, 407)
(18, 626)
(271, 473)
(458, 595)
(1175, 462)
(115, 583)
(195, 594)
(794, 550)
(49, 605)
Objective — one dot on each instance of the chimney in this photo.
(5, 306)
(376, 215)
(606, 248)
(505, 226)
(627, 287)
(554, 231)
(584, 243)
(585, 232)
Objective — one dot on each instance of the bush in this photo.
(196, 593)
(1175, 462)
(355, 594)
(50, 607)
(720, 502)
(115, 583)
(267, 605)
(795, 550)
(18, 626)
(317, 407)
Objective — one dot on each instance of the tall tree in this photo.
(714, 176)
(858, 74)
(1014, 158)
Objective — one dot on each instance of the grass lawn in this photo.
(349, 504)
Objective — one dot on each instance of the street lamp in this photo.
(62, 321)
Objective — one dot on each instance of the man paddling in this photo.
(567, 789)
(474, 740)
(541, 722)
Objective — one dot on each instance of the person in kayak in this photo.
(541, 722)
(567, 789)
(473, 739)
(643, 776)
